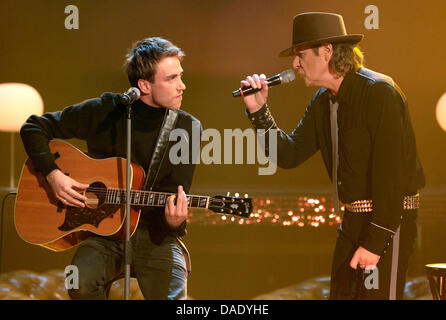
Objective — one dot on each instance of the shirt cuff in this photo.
(44, 163)
(262, 118)
(378, 239)
(179, 231)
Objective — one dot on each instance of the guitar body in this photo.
(41, 219)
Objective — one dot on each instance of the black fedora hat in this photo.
(314, 28)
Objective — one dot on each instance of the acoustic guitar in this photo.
(41, 219)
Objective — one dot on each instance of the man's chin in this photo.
(307, 83)
(174, 107)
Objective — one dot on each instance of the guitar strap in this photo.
(159, 152)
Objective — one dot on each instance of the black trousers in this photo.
(161, 269)
(347, 283)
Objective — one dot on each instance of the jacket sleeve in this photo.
(386, 127)
(292, 149)
(37, 131)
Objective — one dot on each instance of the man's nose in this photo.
(182, 85)
(296, 62)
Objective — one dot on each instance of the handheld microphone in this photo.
(283, 77)
(130, 96)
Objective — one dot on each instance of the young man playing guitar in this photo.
(159, 260)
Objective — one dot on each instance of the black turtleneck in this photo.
(101, 122)
(146, 124)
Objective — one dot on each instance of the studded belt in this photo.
(410, 202)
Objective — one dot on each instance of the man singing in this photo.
(359, 120)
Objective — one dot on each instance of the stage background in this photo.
(224, 41)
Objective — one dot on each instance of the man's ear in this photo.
(145, 86)
(327, 51)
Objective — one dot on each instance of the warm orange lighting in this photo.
(17, 102)
(440, 111)
(283, 211)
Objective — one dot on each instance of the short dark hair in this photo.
(142, 58)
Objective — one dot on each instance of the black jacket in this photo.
(101, 122)
(377, 151)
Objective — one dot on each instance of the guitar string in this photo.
(153, 197)
(143, 191)
(156, 203)
(191, 205)
(121, 191)
(101, 191)
(107, 190)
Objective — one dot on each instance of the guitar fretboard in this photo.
(150, 198)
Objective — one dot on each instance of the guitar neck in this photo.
(151, 198)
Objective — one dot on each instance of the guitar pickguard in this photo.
(75, 217)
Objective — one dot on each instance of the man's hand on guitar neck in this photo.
(176, 214)
(66, 189)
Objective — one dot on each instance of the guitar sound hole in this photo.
(95, 194)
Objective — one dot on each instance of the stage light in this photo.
(283, 210)
(18, 101)
(440, 111)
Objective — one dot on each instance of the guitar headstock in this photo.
(236, 206)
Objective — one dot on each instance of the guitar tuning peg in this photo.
(228, 194)
(246, 195)
(237, 194)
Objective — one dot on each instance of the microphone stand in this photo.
(127, 247)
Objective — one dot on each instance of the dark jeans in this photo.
(160, 269)
(347, 283)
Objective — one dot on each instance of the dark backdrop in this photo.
(224, 41)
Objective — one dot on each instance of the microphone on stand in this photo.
(283, 77)
(127, 98)
(130, 96)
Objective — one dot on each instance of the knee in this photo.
(78, 294)
(88, 290)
